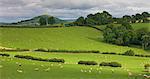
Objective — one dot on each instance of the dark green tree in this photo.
(145, 41)
(42, 21)
(80, 21)
(51, 20)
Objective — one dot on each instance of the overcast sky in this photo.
(14, 10)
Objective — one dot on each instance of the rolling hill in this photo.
(66, 38)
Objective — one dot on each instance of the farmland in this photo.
(70, 70)
(67, 38)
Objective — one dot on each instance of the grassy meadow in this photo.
(70, 70)
(67, 38)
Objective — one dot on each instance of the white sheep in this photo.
(146, 76)
(1, 66)
(36, 69)
(20, 71)
(47, 69)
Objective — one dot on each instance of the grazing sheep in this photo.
(130, 74)
(36, 69)
(17, 63)
(1, 66)
(146, 76)
(20, 71)
(90, 71)
(33, 63)
(112, 70)
(52, 65)
(91, 68)
(47, 69)
(61, 66)
(42, 65)
(20, 64)
(82, 70)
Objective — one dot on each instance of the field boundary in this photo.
(67, 51)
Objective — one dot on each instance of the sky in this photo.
(15, 10)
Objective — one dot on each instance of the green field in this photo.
(68, 38)
(70, 70)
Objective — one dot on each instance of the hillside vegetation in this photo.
(69, 38)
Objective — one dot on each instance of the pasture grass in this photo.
(65, 38)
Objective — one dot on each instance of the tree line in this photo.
(125, 35)
(106, 18)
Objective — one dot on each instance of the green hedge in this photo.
(14, 50)
(66, 51)
(111, 64)
(87, 62)
(6, 55)
(40, 59)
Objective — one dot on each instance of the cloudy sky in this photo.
(14, 10)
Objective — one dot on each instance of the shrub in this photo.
(104, 64)
(129, 53)
(87, 62)
(40, 59)
(41, 50)
(147, 66)
(7, 55)
(115, 64)
(109, 53)
(111, 64)
(67, 51)
(56, 60)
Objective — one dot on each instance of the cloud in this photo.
(69, 8)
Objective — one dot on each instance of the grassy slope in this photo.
(69, 38)
(70, 69)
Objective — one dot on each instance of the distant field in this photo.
(141, 25)
(70, 70)
(69, 38)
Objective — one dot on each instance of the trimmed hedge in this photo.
(40, 59)
(87, 62)
(14, 50)
(111, 64)
(113, 53)
(66, 51)
(6, 55)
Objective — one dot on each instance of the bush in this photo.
(14, 50)
(111, 64)
(41, 50)
(6, 55)
(66, 51)
(147, 66)
(87, 62)
(109, 53)
(40, 59)
(115, 64)
(104, 64)
(129, 53)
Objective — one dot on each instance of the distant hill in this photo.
(35, 20)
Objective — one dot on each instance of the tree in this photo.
(80, 21)
(145, 41)
(51, 20)
(120, 35)
(127, 18)
(42, 21)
